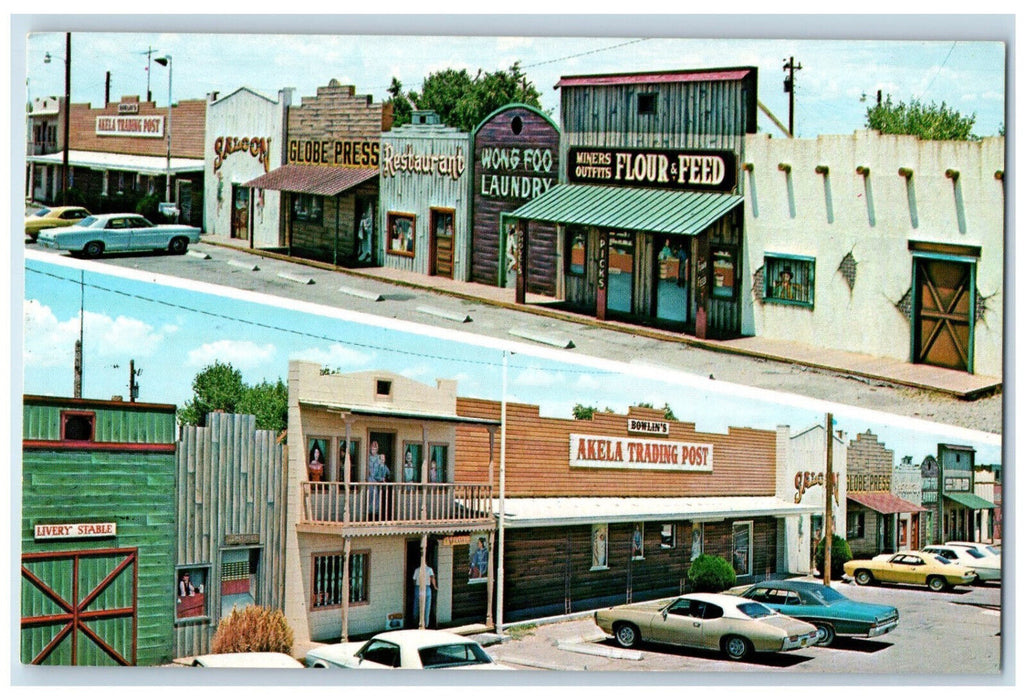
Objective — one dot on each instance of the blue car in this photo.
(831, 612)
(103, 233)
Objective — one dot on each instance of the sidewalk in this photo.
(960, 385)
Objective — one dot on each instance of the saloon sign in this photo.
(714, 171)
(604, 452)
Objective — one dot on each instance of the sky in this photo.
(173, 328)
(954, 61)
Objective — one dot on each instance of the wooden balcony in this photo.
(334, 506)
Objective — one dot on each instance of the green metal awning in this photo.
(971, 501)
(627, 209)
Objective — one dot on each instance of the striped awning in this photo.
(321, 180)
(629, 209)
(884, 502)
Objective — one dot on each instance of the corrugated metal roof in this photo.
(649, 78)
(629, 209)
(884, 502)
(103, 160)
(533, 512)
(313, 179)
(971, 501)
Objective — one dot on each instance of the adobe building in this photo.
(516, 158)
(329, 180)
(648, 207)
(878, 520)
(376, 494)
(424, 202)
(801, 478)
(97, 532)
(614, 509)
(901, 234)
(119, 153)
(245, 138)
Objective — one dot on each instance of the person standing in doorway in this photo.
(429, 580)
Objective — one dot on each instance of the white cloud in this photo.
(417, 371)
(241, 355)
(587, 381)
(336, 356)
(538, 378)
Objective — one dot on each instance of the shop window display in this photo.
(789, 279)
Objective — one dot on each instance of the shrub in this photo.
(710, 574)
(840, 553)
(252, 629)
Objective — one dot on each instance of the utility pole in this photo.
(790, 68)
(67, 117)
(149, 55)
(828, 518)
(106, 90)
(133, 385)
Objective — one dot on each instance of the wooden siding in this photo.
(548, 570)
(537, 454)
(724, 315)
(230, 482)
(318, 241)
(495, 133)
(188, 126)
(133, 490)
(112, 424)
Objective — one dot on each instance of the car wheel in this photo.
(937, 584)
(627, 635)
(178, 245)
(736, 648)
(826, 634)
(92, 249)
(863, 577)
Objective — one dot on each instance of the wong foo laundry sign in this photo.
(65, 531)
(603, 452)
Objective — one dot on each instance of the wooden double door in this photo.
(943, 313)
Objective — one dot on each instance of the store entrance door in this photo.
(620, 271)
(671, 281)
(442, 243)
(240, 212)
(411, 611)
(943, 315)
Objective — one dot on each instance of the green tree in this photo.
(582, 412)
(840, 554)
(219, 387)
(930, 122)
(668, 413)
(710, 574)
(269, 402)
(402, 110)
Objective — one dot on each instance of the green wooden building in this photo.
(97, 532)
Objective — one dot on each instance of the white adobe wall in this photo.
(871, 217)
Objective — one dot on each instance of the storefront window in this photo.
(620, 270)
(638, 541)
(856, 525)
(577, 251)
(401, 232)
(741, 548)
(668, 536)
(697, 540)
(789, 279)
(191, 592)
(599, 546)
(238, 579)
(478, 558)
(328, 581)
(307, 207)
(724, 270)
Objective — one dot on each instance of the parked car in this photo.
(413, 649)
(986, 565)
(921, 568)
(95, 235)
(52, 217)
(247, 659)
(830, 611)
(984, 547)
(735, 626)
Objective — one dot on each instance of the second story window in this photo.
(78, 426)
(647, 102)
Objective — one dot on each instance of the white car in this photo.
(986, 565)
(247, 659)
(113, 233)
(984, 548)
(414, 649)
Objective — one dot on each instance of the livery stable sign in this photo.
(604, 452)
(67, 531)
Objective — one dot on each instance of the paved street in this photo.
(292, 280)
(957, 632)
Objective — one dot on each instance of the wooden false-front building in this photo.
(231, 520)
(614, 509)
(648, 204)
(97, 532)
(375, 498)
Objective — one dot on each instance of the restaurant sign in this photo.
(604, 452)
(66, 531)
(141, 127)
(711, 171)
(409, 161)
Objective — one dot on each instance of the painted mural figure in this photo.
(315, 466)
(479, 560)
(696, 542)
(429, 578)
(784, 288)
(365, 233)
(637, 544)
(599, 547)
(409, 470)
(377, 473)
(511, 251)
(433, 476)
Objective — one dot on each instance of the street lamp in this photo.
(166, 61)
(66, 115)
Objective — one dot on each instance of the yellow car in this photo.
(922, 568)
(52, 217)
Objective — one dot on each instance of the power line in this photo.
(937, 74)
(585, 53)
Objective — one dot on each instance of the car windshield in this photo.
(755, 610)
(828, 595)
(450, 655)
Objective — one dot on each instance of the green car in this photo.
(831, 612)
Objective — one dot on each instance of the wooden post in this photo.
(489, 619)
(828, 520)
(602, 276)
(346, 547)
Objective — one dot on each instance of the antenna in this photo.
(148, 53)
(133, 385)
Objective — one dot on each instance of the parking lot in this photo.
(956, 632)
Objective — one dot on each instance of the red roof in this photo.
(884, 502)
(313, 179)
(649, 78)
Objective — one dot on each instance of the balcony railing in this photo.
(373, 504)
